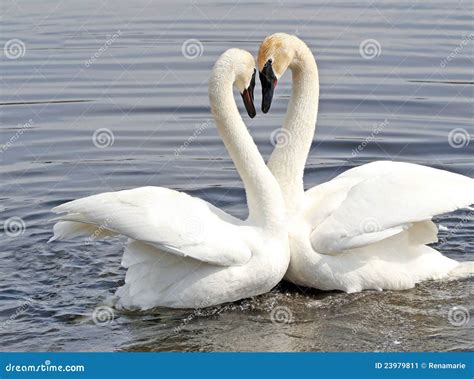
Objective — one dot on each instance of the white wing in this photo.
(370, 203)
(169, 220)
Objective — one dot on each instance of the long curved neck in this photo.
(264, 198)
(287, 162)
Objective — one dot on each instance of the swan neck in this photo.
(287, 162)
(264, 198)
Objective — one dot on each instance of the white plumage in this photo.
(165, 219)
(384, 198)
(367, 228)
(183, 252)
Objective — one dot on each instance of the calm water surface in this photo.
(134, 69)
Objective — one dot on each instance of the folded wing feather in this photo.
(381, 199)
(169, 220)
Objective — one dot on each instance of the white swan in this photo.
(368, 227)
(183, 252)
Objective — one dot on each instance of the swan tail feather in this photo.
(153, 274)
(395, 263)
(71, 229)
(462, 271)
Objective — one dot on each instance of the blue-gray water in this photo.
(124, 65)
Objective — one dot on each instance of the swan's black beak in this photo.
(247, 96)
(269, 82)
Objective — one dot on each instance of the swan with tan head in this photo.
(183, 252)
(369, 227)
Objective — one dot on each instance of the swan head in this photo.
(241, 64)
(275, 55)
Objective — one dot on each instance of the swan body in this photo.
(369, 227)
(183, 252)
